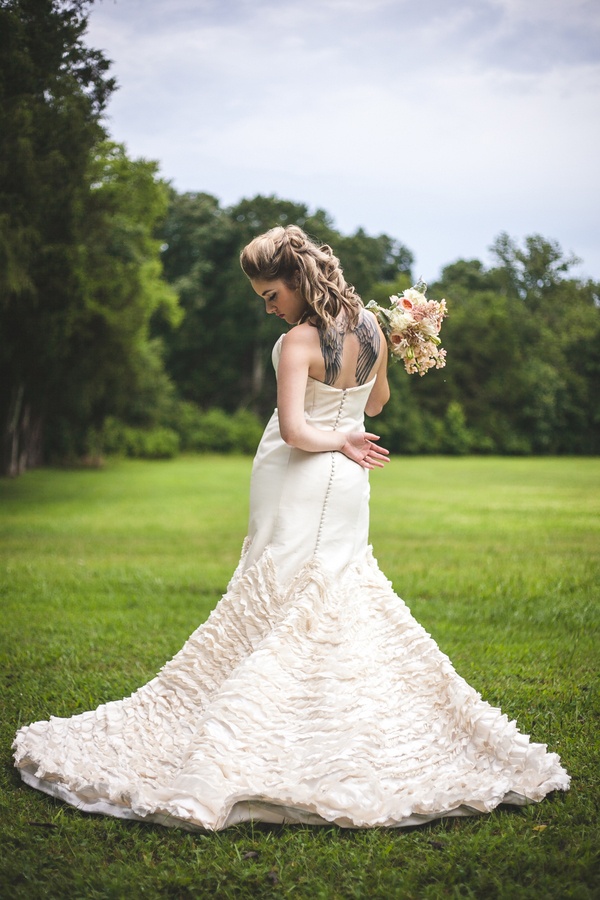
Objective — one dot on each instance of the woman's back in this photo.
(344, 357)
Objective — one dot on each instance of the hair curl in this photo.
(290, 255)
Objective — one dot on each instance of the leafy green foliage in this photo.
(534, 271)
(119, 439)
(82, 273)
(216, 431)
(53, 90)
(119, 271)
(522, 337)
(110, 364)
(522, 373)
(191, 429)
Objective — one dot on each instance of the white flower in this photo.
(415, 296)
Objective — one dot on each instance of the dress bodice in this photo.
(326, 406)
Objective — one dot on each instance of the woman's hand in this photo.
(359, 447)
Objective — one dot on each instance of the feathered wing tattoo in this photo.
(369, 342)
(332, 344)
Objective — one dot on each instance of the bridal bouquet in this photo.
(412, 325)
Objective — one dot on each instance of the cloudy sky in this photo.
(439, 122)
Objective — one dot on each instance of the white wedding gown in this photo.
(310, 695)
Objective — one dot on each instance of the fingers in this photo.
(375, 458)
(375, 437)
(379, 453)
(372, 462)
(361, 450)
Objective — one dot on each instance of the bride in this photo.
(310, 694)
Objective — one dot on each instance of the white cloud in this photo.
(439, 123)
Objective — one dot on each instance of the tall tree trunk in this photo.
(11, 435)
(23, 435)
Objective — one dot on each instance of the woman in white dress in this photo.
(311, 694)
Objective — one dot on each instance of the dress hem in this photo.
(249, 811)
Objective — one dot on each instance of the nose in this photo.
(269, 307)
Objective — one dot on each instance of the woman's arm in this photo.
(292, 376)
(380, 393)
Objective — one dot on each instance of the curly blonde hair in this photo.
(290, 255)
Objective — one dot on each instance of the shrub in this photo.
(186, 420)
(145, 443)
(247, 431)
(455, 437)
(215, 431)
(158, 443)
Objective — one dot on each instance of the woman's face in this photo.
(286, 303)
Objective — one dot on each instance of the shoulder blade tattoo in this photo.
(369, 342)
(332, 346)
(332, 343)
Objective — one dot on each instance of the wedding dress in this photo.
(310, 694)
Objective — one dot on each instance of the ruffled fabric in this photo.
(321, 701)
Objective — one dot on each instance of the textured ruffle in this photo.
(321, 701)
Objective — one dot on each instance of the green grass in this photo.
(103, 574)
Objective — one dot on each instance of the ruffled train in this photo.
(322, 701)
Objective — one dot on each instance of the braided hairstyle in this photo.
(289, 255)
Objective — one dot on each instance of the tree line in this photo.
(126, 324)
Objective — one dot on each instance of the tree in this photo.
(82, 285)
(533, 272)
(522, 341)
(53, 90)
(210, 355)
(368, 260)
(110, 365)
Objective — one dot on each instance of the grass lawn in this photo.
(103, 574)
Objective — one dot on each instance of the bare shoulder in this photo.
(302, 337)
(298, 353)
(302, 333)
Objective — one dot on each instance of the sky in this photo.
(439, 122)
